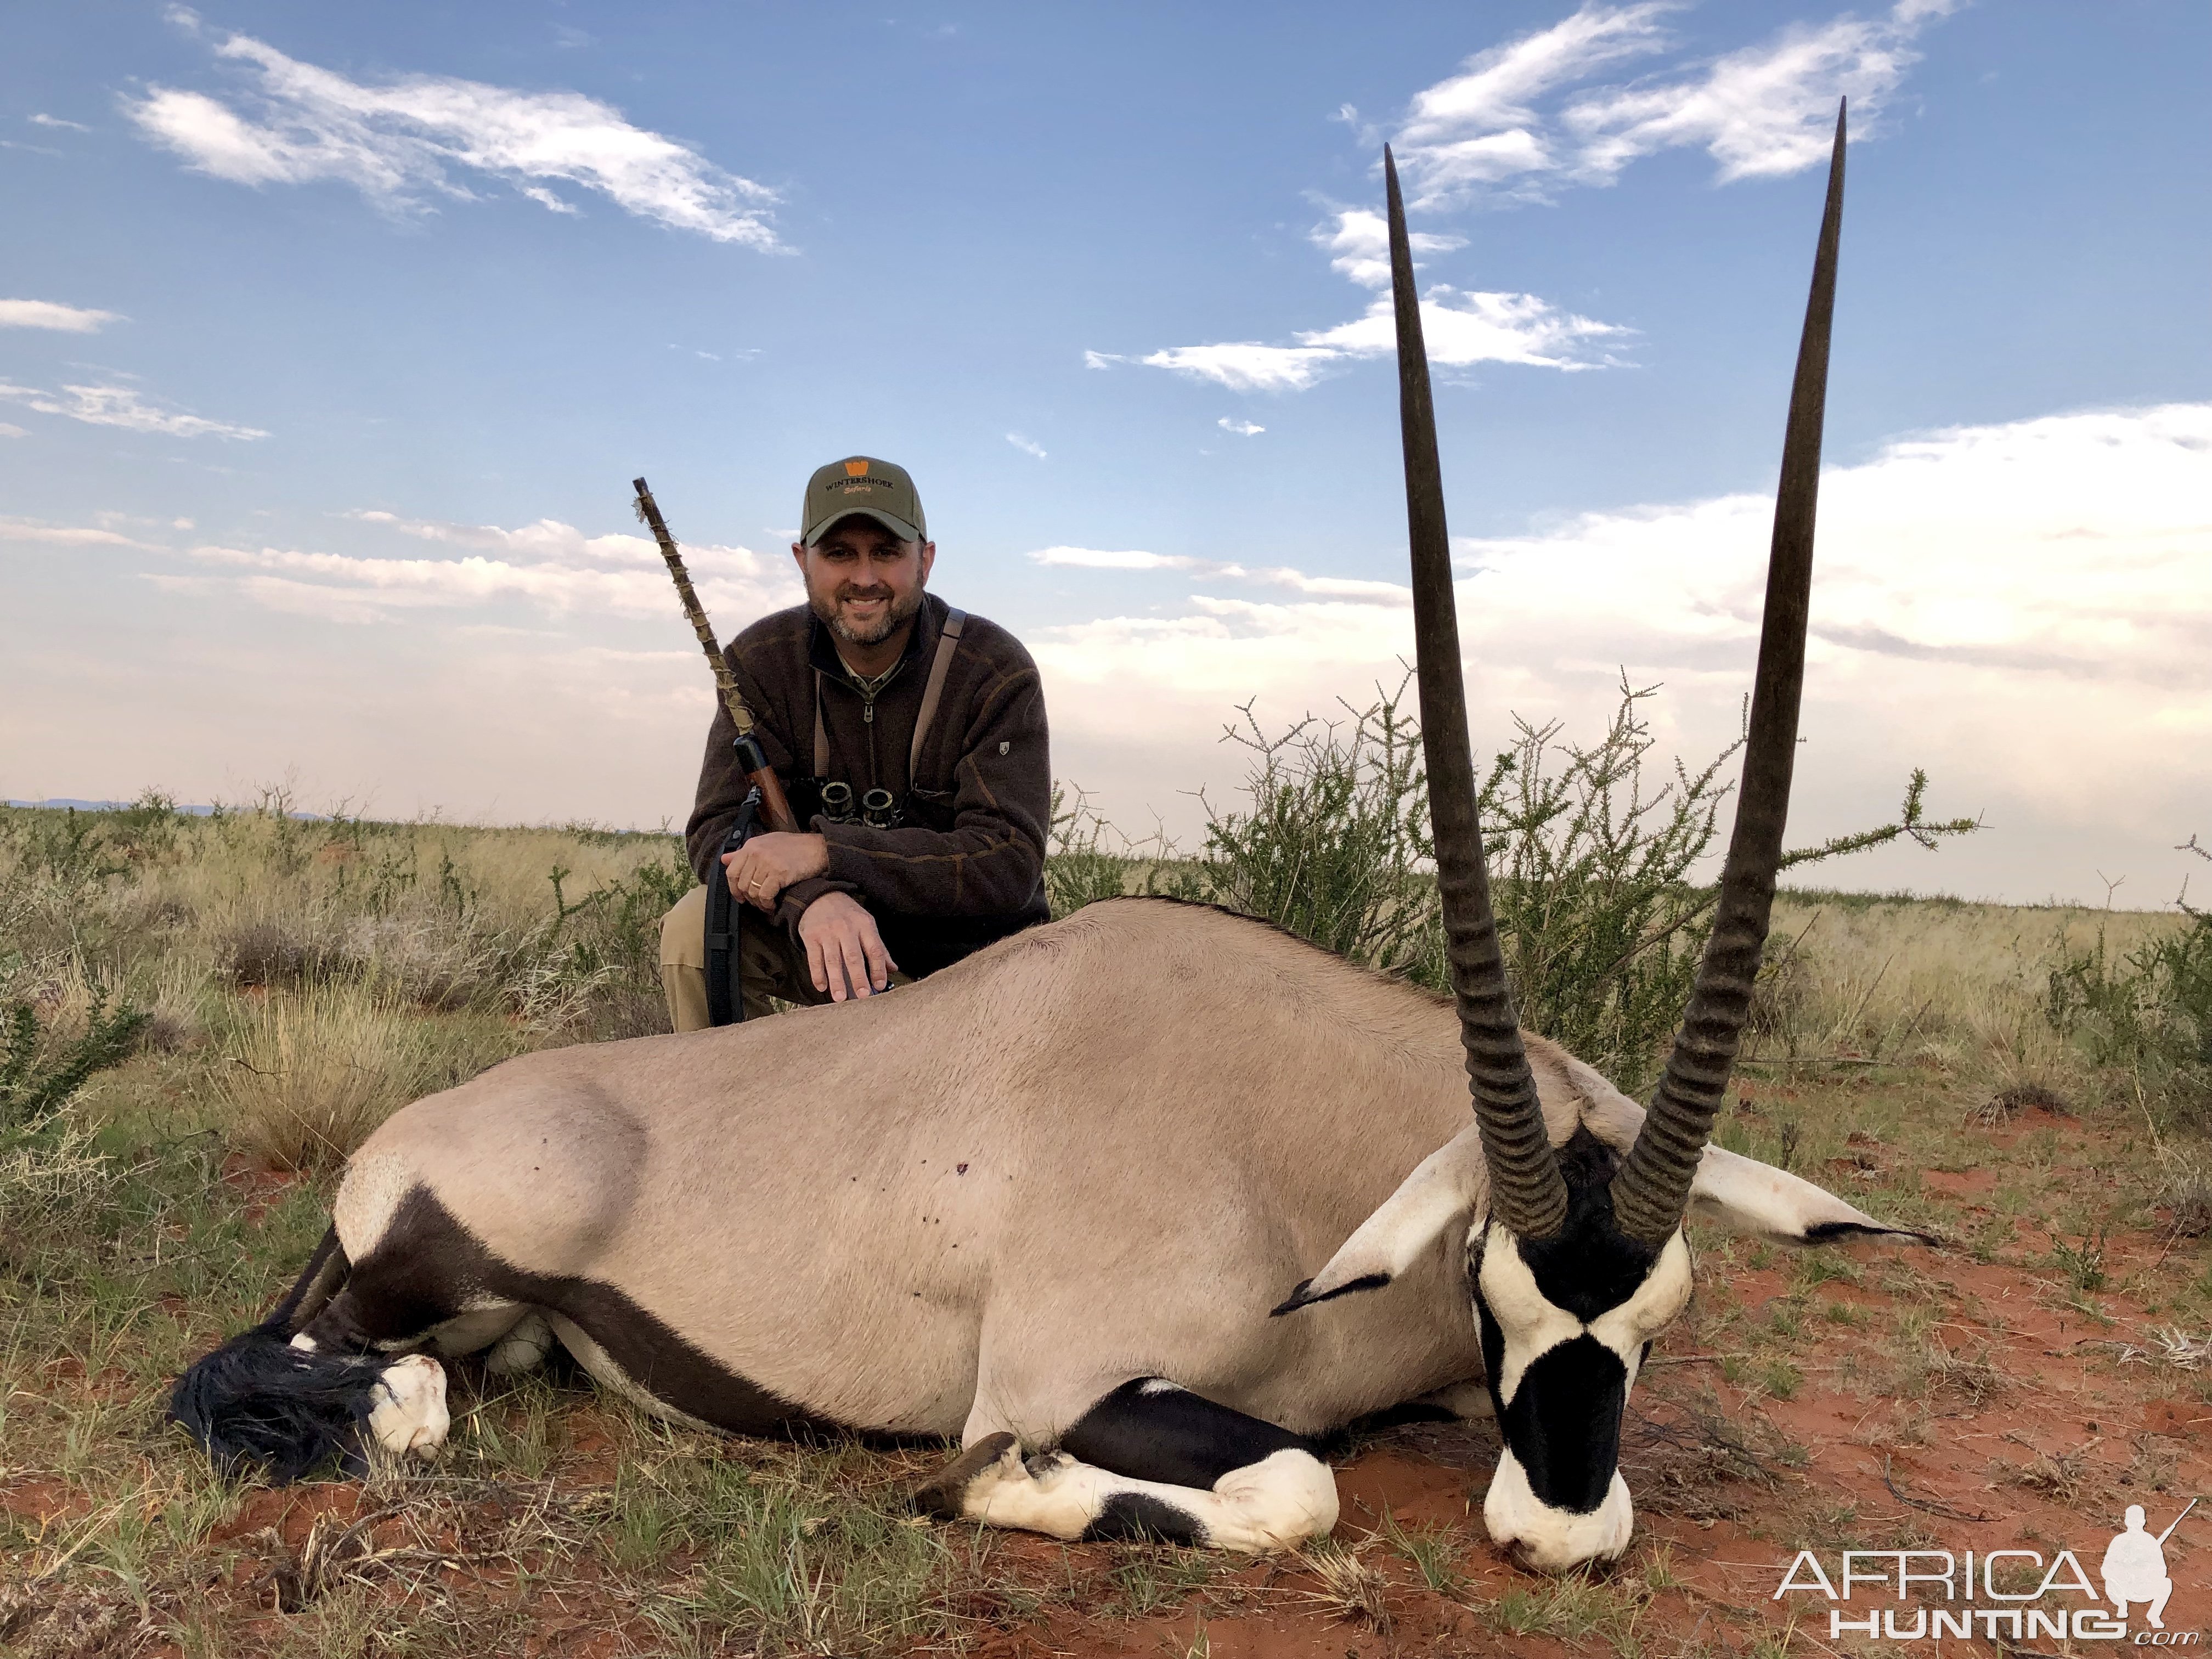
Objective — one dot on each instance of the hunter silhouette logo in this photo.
(1956, 1593)
(856, 469)
(2135, 1568)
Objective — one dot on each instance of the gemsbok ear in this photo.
(1760, 1202)
(1441, 1193)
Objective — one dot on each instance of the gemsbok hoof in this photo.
(943, 1495)
(410, 1418)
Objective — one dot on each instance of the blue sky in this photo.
(342, 331)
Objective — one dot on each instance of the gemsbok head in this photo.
(1579, 1259)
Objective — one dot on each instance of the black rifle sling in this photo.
(725, 997)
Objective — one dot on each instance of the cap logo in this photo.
(856, 469)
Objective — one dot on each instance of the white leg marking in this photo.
(1550, 1539)
(409, 1416)
(1275, 1504)
(1280, 1501)
(522, 1349)
(304, 1343)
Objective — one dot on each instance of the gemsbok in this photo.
(1052, 1200)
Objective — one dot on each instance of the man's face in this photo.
(862, 581)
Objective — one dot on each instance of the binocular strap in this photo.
(948, 641)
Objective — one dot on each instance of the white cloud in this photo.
(546, 199)
(26, 530)
(1460, 329)
(1480, 127)
(48, 313)
(2025, 609)
(545, 541)
(1347, 590)
(1494, 88)
(1025, 445)
(1767, 110)
(1463, 329)
(1092, 558)
(422, 134)
(1762, 109)
(549, 565)
(44, 120)
(122, 405)
(9, 430)
(1242, 428)
(1359, 241)
(1248, 365)
(1508, 124)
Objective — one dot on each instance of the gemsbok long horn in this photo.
(1653, 1186)
(1527, 1192)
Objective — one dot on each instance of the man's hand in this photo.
(769, 863)
(844, 951)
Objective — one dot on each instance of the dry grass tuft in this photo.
(2182, 1351)
(2064, 1476)
(1682, 1455)
(267, 954)
(78, 1622)
(1974, 1378)
(307, 1075)
(2008, 1104)
(2189, 1206)
(1349, 1588)
(44, 1175)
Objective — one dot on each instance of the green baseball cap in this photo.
(862, 485)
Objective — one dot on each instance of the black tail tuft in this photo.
(258, 1403)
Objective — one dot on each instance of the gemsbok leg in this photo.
(1151, 1460)
(311, 1383)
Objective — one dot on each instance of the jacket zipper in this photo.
(868, 696)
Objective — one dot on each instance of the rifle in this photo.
(2177, 1520)
(775, 808)
(765, 801)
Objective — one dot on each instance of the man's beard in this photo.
(896, 616)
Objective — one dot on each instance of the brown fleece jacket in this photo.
(967, 865)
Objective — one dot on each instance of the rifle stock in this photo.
(775, 806)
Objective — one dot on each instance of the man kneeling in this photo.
(911, 740)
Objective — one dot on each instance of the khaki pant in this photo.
(769, 964)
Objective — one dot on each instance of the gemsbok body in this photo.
(1137, 1205)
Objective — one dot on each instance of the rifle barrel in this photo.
(2177, 1520)
(775, 806)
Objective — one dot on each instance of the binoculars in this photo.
(879, 808)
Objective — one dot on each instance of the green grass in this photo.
(135, 1232)
(1574, 1608)
(1434, 1551)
